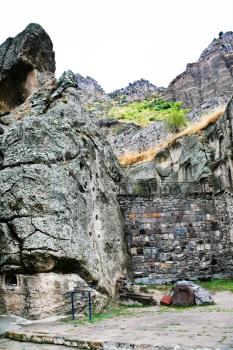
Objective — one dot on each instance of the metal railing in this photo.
(83, 293)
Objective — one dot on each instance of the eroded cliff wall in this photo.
(210, 76)
(59, 214)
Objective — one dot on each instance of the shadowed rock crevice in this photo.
(15, 89)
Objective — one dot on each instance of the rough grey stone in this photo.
(58, 206)
(210, 76)
(202, 296)
(136, 91)
(27, 59)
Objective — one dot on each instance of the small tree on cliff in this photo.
(176, 119)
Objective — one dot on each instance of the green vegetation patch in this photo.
(218, 285)
(214, 285)
(151, 110)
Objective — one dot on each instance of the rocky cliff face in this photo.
(90, 90)
(59, 214)
(133, 139)
(205, 157)
(210, 76)
(26, 62)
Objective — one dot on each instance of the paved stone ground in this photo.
(203, 327)
(6, 344)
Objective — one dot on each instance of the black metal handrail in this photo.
(85, 290)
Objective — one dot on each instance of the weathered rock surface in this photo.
(207, 107)
(199, 158)
(182, 296)
(90, 90)
(26, 62)
(134, 138)
(136, 91)
(210, 76)
(60, 222)
(59, 211)
(45, 294)
(201, 295)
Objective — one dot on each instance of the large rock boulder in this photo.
(60, 222)
(201, 295)
(58, 201)
(187, 293)
(210, 76)
(26, 61)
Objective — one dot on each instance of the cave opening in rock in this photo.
(11, 280)
(17, 86)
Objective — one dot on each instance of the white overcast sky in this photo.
(119, 41)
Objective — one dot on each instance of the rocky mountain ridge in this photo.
(210, 76)
(223, 44)
(136, 91)
(89, 90)
(205, 86)
(26, 62)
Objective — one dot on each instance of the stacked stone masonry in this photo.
(173, 238)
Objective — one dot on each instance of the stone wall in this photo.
(224, 213)
(173, 238)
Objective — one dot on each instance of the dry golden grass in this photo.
(195, 128)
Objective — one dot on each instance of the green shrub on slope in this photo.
(151, 110)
